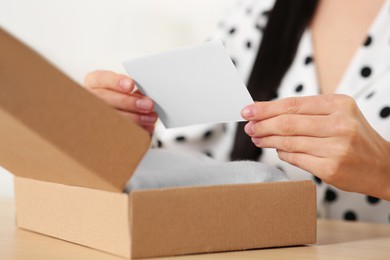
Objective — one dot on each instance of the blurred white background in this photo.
(79, 36)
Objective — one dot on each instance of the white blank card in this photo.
(191, 85)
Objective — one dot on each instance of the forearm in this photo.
(386, 173)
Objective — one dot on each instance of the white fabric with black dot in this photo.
(367, 80)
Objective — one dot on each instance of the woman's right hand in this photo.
(119, 91)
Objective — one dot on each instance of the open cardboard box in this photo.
(72, 155)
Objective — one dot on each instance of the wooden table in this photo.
(336, 240)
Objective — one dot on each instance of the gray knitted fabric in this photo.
(163, 168)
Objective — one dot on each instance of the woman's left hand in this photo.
(326, 135)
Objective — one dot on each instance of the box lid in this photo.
(53, 130)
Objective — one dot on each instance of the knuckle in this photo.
(329, 100)
(347, 103)
(94, 78)
(292, 105)
(101, 93)
(331, 173)
(288, 157)
(131, 117)
(346, 152)
(288, 144)
(347, 127)
(340, 98)
(257, 128)
(292, 158)
(340, 148)
(89, 79)
(341, 128)
(125, 102)
(287, 125)
(99, 76)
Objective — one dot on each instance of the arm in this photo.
(327, 136)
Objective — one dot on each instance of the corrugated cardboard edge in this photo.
(181, 221)
(93, 218)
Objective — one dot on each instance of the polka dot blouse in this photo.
(367, 80)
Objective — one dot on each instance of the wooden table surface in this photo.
(336, 240)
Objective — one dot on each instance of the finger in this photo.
(148, 119)
(307, 162)
(126, 102)
(109, 80)
(150, 129)
(320, 147)
(290, 125)
(143, 120)
(138, 92)
(136, 119)
(310, 105)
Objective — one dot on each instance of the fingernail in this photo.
(125, 84)
(247, 112)
(249, 128)
(144, 104)
(148, 119)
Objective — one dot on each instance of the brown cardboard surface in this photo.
(94, 218)
(173, 221)
(29, 154)
(222, 218)
(51, 129)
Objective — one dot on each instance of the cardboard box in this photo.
(72, 155)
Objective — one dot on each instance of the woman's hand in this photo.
(327, 136)
(119, 92)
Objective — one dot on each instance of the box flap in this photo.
(53, 130)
